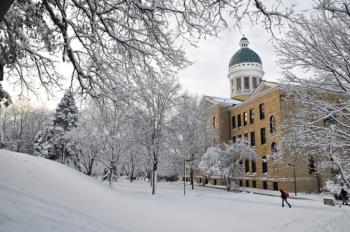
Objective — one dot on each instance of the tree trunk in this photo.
(154, 177)
(5, 6)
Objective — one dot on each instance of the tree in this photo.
(226, 160)
(108, 41)
(189, 135)
(318, 44)
(52, 142)
(21, 122)
(155, 97)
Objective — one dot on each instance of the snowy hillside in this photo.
(41, 195)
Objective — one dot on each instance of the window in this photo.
(252, 138)
(239, 137)
(262, 136)
(214, 122)
(246, 82)
(234, 139)
(239, 83)
(273, 151)
(247, 183)
(275, 186)
(264, 164)
(245, 118)
(246, 138)
(261, 111)
(239, 120)
(330, 119)
(272, 124)
(254, 183)
(233, 122)
(241, 183)
(255, 83)
(264, 184)
(311, 164)
(233, 85)
(251, 116)
(246, 163)
(253, 166)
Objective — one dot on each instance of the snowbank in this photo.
(41, 195)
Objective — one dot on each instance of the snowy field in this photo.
(40, 195)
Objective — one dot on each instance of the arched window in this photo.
(264, 164)
(272, 124)
(214, 122)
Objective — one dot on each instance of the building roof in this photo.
(222, 101)
(245, 54)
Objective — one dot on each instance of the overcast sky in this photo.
(208, 74)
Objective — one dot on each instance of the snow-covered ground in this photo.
(41, 195)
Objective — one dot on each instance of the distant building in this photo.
(254, 111)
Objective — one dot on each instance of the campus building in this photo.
(254, 111)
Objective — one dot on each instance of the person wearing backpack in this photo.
(284, 196)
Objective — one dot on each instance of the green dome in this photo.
(244, 55)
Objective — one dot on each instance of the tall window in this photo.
(254, 183)
(273, 151)
(272, 124)
(245, 118)
(330, 119)
(214, 122)
(251, 116)
(264, 184)
(311, 164)
(264, 164)
(262, 136)
(234, 139)
(262, 111)
(247, 183)
(246, 138)
(233, 122)
(246, 82)
(239, 83)
(253, 166)
(239, 123)
(246, 164)
(255, 83)
(252, 138)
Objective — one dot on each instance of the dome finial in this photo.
(244, 42)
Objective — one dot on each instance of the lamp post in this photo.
(186, 160)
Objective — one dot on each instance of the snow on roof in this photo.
(223, 101)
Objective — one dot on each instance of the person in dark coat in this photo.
(284, 196)
(344, 196)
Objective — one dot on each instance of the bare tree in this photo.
(106, 41)
(21, 122)
(319, 127)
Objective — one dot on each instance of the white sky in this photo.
(208, 74)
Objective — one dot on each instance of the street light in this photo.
(186, 160)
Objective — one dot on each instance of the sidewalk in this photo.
(258, 191)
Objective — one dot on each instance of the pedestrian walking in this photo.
(344, 196)
(284, 196)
